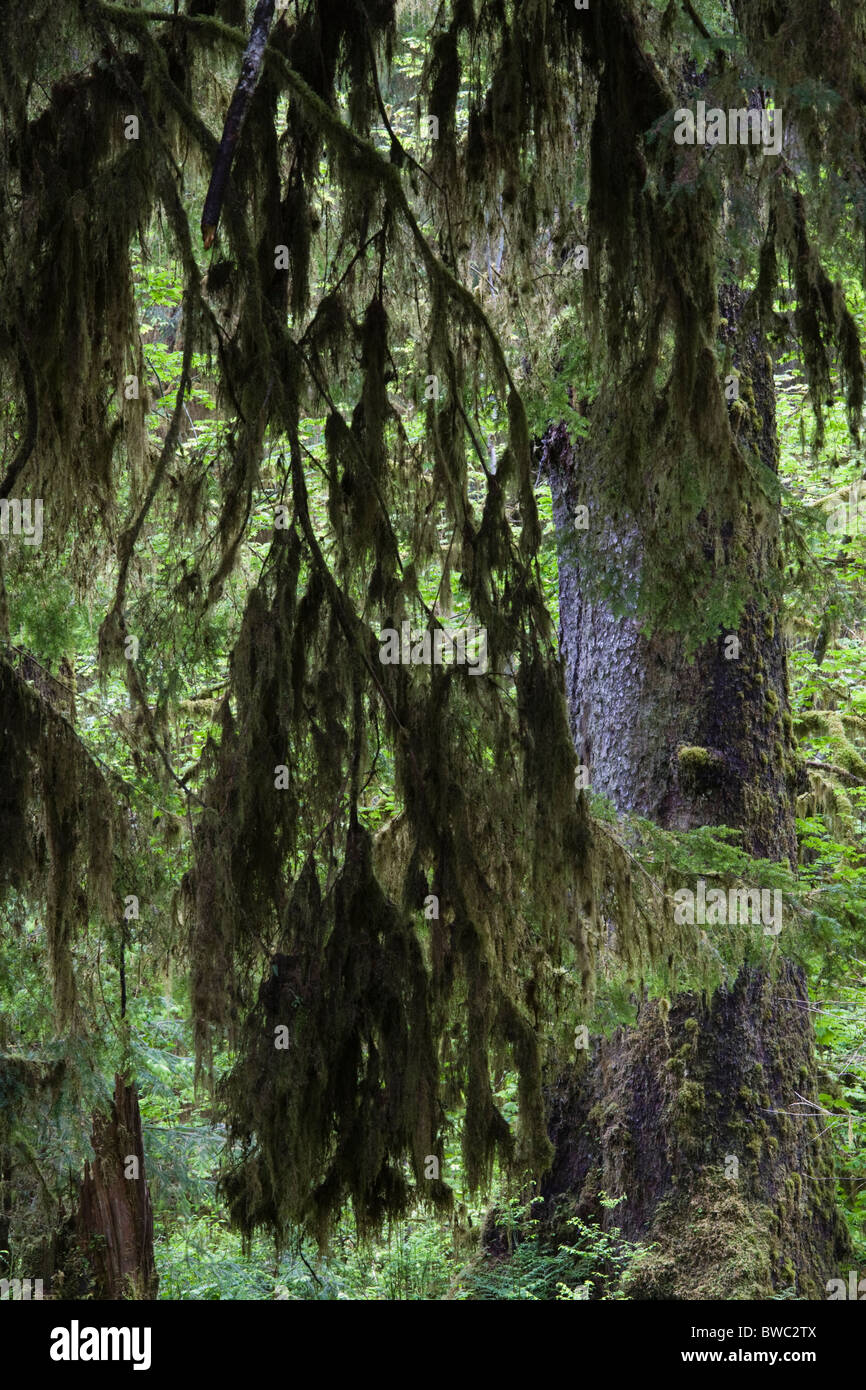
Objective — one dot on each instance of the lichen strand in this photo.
(736, 1081)
(378, 983)
(58, 823)
(327, 1117)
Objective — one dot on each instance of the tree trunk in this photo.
(684, 743)
(702, 1116)
(697, 1117)
(115, 1217)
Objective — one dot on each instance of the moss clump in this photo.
(714, 1245)
(693, 757)
(701, 770)
(688, 1106)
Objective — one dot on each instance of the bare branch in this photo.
(238, 107)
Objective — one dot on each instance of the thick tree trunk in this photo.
(701, 1115)
(685, 743)
(702, 1118)
(115, 1218)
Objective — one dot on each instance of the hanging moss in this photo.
(58, 822)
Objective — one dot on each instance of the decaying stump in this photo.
(115, 1217)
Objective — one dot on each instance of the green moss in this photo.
(713, 1245)
(690, 1102)
(675, 1066)
(693, 756)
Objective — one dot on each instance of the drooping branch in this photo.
(360, 154)
(699, 24)
(238, 107)
(56, 799)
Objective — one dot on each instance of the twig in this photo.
(693, 15)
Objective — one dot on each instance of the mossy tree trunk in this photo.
(683, 742)
(702, 1112)
(696, 1115)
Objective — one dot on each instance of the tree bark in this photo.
(684, 743)
(703, 1117)
(703, 1113)
(115, 1217)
